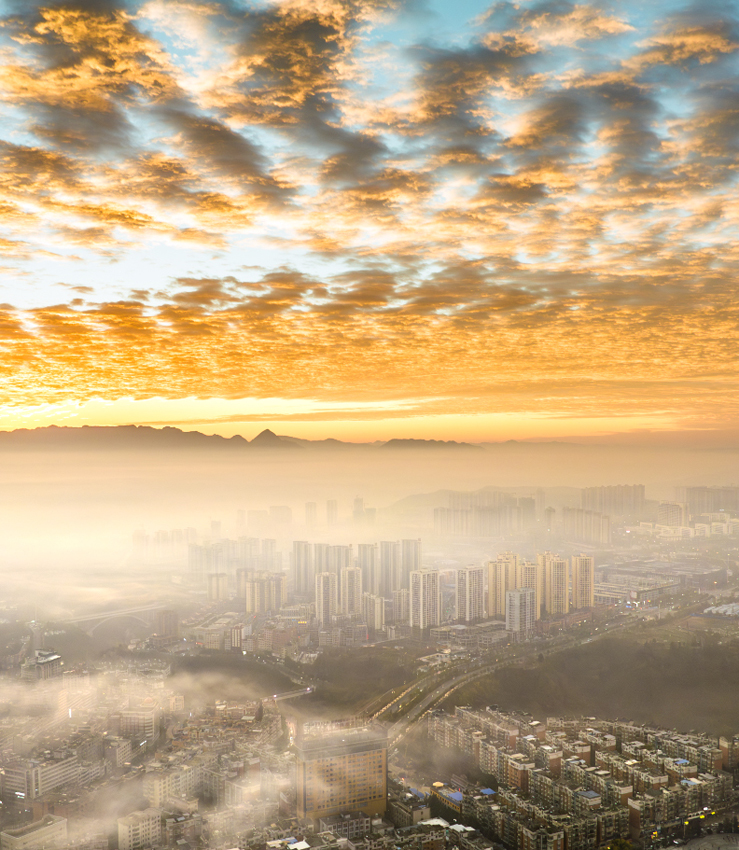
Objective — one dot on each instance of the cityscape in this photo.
(369, 425)
(287, 677)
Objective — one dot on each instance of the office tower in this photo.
(368, 563)
(532, 575)
(264, 592)
(556, 582)
(332, 512)
(351, 591)
(311, 514)
(549, 515)
(410, 559)
(373, 611)
(501, 579)
(583, 581)
(672, 513)
(341, 771)
(215, 529)
(401, 605)
(389, 567)
(470, 594)
(301, 564)
(167, 623)
(520, 613)
(326, 597)
(217, 587)
(425, 599)
(358, 510)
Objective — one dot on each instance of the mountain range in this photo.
(144, 437)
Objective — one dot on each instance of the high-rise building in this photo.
(401, 605)
(351, 591)
(339, 558)
(271, 559)
(709, 500)
(533, 575)
(622, 500)
(470, 593)
(341, 770)
(389, 567)
(520, 614)
(368, 563)
(583, 581)
(410, 559)
(264, 592)
(586, 526)
(320, 557)
(501, 579)
(326, 597)
(167, 623)
(672, 513)
(557, 583)
(373, 611)
(425, 599)
(332, 512)
(217, 587)
(302, 568)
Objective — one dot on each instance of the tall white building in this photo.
(501, 579)
(351, 591)
(557, 583)
(532, 575)
(401, 605)
(583, 581)
(470, 587)
(326, 598)
(520, 613)
(373, 611)
(425, 599)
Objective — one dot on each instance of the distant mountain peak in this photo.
(268, 439)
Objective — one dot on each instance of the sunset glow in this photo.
(369, 219)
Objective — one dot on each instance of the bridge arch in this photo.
(90, 631)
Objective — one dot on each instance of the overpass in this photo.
(144, 614)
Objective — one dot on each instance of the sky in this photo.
(375, 219)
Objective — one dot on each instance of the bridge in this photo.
(292, 694)
(144, 614)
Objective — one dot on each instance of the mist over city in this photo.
(369, 425)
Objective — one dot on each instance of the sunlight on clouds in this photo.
(534, 219)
